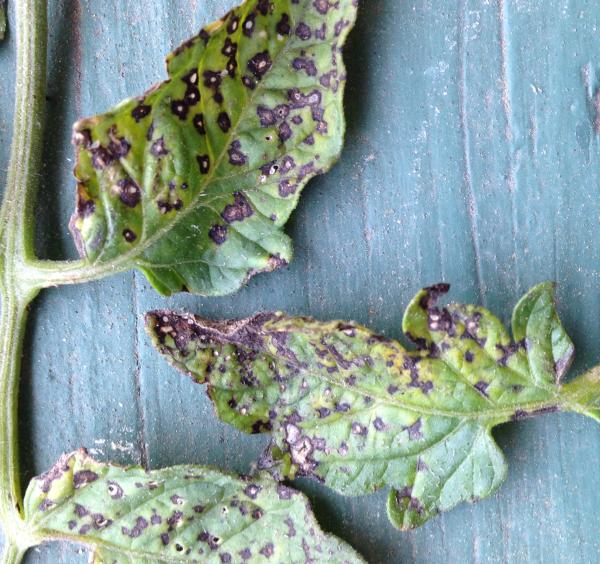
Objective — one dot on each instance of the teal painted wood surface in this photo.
(472, 156)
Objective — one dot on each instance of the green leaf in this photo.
(359, 412)
(535, 321)
(180, 514)
(193, 182)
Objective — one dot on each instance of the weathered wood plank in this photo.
(472, 156)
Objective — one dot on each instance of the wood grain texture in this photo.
(472, 157)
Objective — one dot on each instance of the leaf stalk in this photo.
(16, 247)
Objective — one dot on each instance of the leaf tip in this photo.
(425, 299)
(404, 511)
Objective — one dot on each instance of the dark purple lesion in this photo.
(283, 26)
(323, 6)
(305, 64)
(284, 132)
(239, 210)
(141, 111)
(213, 81)
(482, 388)
(115, 491)
(203, 163)
(101, 157)
(229, 48)
(264, 7)
(236, 156)
(411, 363)
(99, 521)
(562, 365)
(510, 350)
(340, 26)
(379, 424)
(432, 294)
(260, 64)
(198, 121)
(266, 116)
(82, 137)
(45, 505)
(415, 430)
(192, 95)
(233, 23)
(218, 233)
(84, 206)
(84, 477)
(224, 122)
(303, 31)
(521, 414)
(141, 524)
(180, 108)
(129, 235)
(249, 24)
(118, 146)
(159, 149)
(249, 82)
(287, 187)
(301, 448)
(186, 330)
(321, 32)
(405, 498)
(129, 192)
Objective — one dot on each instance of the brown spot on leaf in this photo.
(159, 149)
(140, 112)
(224, 122)
(236, 156)
(305, 64)
(203, 163)
(180, 108)
(283, 25)
(218, 233)
(83, 478)
(101, 157)
(129, 235)
(239, 210)
(303, 31)
(260, 64)
(268, 550)
(129, 192)
(482, 387)
(252, 491)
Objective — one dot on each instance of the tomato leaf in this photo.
(179, 514)
(193, 182)
(359, 412)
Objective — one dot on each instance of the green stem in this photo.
(46, 274)
(16, 247)
(12, 325)
(16, 217)
(583, 394)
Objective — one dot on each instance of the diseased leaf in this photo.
(358, 412)
(193, 182)
(180, 514)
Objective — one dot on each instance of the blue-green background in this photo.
(472, 156)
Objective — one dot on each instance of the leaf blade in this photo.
(180, 514)
(550, 350)
(193, 182)
(358, 411)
